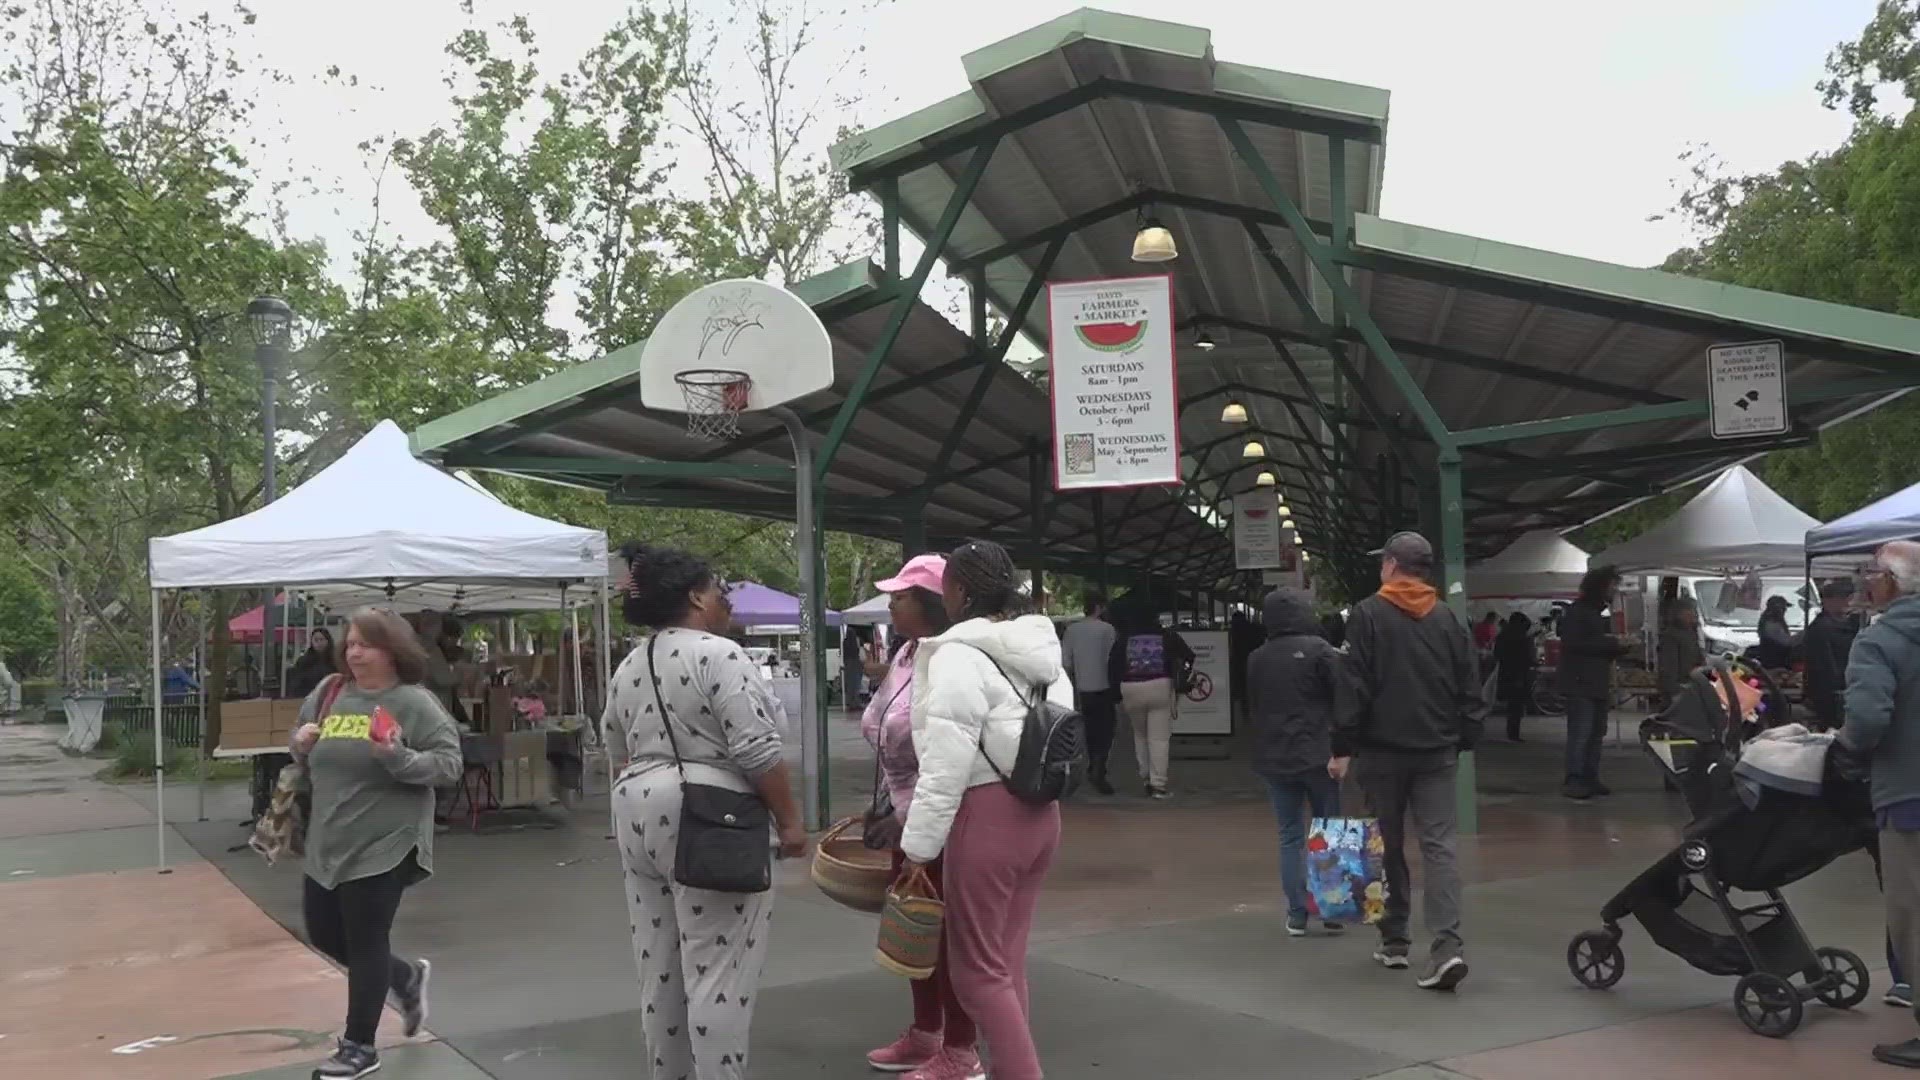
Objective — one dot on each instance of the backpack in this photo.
(1053, 747)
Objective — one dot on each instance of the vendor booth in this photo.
(379, 525)
(760, 610)
(1896, 517)
(1736, 524)
(1541, 565)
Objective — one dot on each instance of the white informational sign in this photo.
(1207, 707)
(1747, 389)
(1116, 398)
(1257, 540)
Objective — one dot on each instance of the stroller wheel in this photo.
(1768, 1004)
(1845, 978)
(1696, 855)
(1596, 959)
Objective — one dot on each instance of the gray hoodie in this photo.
(1883, 702)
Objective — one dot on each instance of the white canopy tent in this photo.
(1539, 565)
(869, 613)
(1736, 524)
(373, 525)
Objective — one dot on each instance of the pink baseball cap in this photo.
(921, 572)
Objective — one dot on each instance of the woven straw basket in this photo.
(849, 872)
(910, 926)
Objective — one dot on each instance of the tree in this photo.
(27, 632)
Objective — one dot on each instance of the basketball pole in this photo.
(813, 729)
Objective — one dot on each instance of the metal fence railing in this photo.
(179, 719)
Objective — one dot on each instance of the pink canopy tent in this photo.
(248, 627)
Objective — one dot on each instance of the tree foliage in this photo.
(573, 208)
(1842, 226)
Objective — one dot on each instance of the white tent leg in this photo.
(579, 702)
(159, 745)
(606, 654)
(200, 676)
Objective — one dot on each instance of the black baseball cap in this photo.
(1408, 549)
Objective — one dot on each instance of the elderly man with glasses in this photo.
(1882, 730)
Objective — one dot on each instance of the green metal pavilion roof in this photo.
(1369, 353)
(584, 426)
(1095, 116)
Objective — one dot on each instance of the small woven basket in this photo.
(910, 925)
(849, 872)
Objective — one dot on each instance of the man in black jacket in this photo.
(1828, 640)
(1587, 653)
(1415, 704)
(1292, 686)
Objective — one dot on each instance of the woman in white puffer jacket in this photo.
(971, 692)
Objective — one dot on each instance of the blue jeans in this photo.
(1297, 798)
(1586, 728)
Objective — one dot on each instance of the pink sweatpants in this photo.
(997, 857)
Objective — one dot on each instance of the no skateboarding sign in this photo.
(1746, 387)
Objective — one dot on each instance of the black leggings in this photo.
(352, 923)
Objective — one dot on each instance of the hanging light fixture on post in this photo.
(1265, 479)
(1253, 449)
(1152, 243)
(1234, 413)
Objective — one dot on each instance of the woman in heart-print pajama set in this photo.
(700, 952)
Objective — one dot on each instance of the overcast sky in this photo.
(1539, 122)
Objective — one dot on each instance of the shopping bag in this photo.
(1346, 870)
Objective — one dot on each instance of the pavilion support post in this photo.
(1100, 544)
(913, 532)
(905, 298)
(1453, 587)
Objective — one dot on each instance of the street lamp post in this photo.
(270, 321)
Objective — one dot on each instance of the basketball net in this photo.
(715, 399)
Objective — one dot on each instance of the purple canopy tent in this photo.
(755, 605)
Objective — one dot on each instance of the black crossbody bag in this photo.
(723, 844)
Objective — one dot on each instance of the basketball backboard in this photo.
(761, 330)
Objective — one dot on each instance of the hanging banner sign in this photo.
(1116, 397)
(1747, 389)
(1257, 543)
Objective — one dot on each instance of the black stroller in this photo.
(1684, 900)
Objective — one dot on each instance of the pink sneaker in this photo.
(951, 1064)
(914, 1049)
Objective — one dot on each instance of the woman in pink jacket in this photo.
(940, 1044)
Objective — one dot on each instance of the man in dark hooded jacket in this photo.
(1415, 705)
(1827, 644)
(1292, 686)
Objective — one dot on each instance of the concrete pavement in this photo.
(1159, 951)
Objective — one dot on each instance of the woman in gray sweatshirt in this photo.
(376, 743)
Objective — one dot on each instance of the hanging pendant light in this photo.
(1286, 523)
(1284, 511)
(1253, 449)
(1305, 558)
(1153, 243)
(1265, 479)
(1234, 413)
(1202, 340)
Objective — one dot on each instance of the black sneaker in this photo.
(1600, 789)
(349, 1062)
(412, 998)
(1296, 926)
(1906, 1054)
(1576, 789)
(1393, 957)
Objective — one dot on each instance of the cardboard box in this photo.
(286, 713)
(248, 740)
(523, 774)
(254, 716)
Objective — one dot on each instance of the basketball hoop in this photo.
(715, 399)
